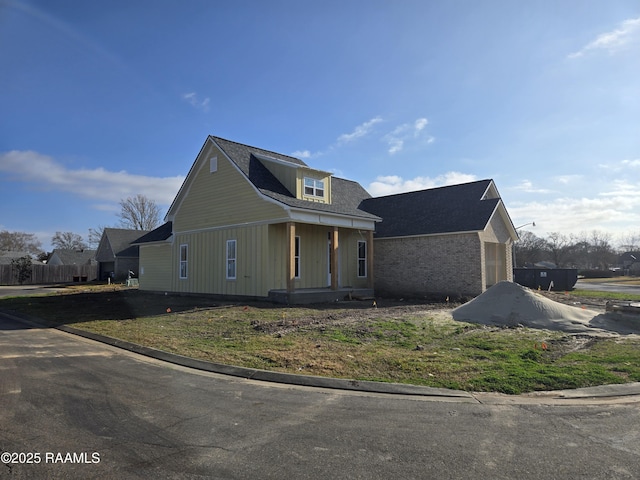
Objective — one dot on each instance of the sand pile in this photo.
(510, 304)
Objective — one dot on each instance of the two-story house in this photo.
(253, 223)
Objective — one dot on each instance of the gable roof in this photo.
(467, 207)
(69, 256)
(346, 195)
(6, 256)
(116, 242)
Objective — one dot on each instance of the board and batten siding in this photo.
(207, 261)
(156, 268)
(219, 198)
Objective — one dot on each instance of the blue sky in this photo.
(104, 100)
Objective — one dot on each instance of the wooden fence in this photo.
(43, 274)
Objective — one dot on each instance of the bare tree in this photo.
(19, 242)
(95, 235)
(529, 249)
(68, 240)
(139, 213)
(558, 247)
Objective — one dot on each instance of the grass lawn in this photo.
(394, 342)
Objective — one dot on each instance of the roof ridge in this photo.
(258, 149)
(441, 187)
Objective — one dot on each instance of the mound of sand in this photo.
(511, 304)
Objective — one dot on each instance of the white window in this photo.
(183, 260)
(313, 187)
(362, 258)
(231, 259)
(213, 164)
(296, 258)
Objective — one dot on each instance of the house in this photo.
(68, 256)
(630, 262)
(116, 256)
(454, 240)
(248, 222)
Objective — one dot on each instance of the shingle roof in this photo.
(346, 195)
(456, 208)
(159, 234)
(70, 256)
(120, 242)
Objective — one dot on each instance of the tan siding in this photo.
(207, 262)
(349, 258)
(317, 175)
(287, 175)
(224, 197)
(155, 261)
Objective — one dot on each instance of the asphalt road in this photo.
(90, 410)
(608, 287)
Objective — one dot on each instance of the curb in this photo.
(598, 392)
(253, 373)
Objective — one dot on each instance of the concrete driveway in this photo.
(90, 410)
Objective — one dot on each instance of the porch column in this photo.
(334, 258)
(370, 279)
(291, 252)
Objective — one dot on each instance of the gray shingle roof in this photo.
(346, 195)
(119, 244)
(74, 257)
(159, 234)
(456, 208)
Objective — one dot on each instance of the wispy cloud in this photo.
(611, 42)
(360, 131)
(302, 154)
(397, 138)
(528, 187)
(193, 99)
(96, 183)
(390, 184)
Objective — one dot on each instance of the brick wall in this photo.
(430, 265)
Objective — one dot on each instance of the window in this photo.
(231, 259)
(296, 258)
(313, 187)
(213, 164)
(183, 260)
(362, 258)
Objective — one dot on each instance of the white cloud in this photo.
(527, 187)
(567, 179)
(396, 139)
(390, 184)
(193, 99)
(613, 41)
(97, 183)
(301, 154)
(360, 131)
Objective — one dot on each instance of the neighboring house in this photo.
(249, 222)
(253, 223)
(6, 257)
(116, 255)
(67, 256)
(630, 262)
(455, 240)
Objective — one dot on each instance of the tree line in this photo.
(594, 250)
(136, 213)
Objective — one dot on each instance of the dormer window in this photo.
(313, 187)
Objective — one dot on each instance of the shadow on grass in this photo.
(115, 303)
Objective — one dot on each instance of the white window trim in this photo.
(184, 262)
(234, 259)
(314, 187)
(362, 259)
